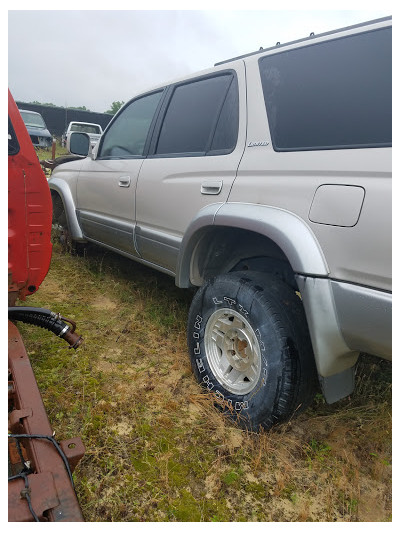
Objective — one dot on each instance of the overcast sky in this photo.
(92, 58)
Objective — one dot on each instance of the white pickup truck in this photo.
(93, 130)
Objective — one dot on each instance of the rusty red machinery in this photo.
(40, 483)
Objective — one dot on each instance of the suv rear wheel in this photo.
(249, 345)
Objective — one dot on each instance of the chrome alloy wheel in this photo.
(232, 351)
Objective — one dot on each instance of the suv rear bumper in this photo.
(365, 318)
(343, 320)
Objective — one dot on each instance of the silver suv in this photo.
(266, 183)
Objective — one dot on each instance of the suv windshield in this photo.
(33, 119)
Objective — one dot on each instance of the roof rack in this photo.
(311, 36)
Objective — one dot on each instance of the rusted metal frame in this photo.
(49, 487)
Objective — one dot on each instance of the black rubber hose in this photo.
(44, 318)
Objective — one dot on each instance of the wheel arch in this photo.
(232, 235)
(60, 189)
(223, 235)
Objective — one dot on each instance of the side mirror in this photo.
(79, 143)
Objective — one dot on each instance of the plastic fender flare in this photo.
(286, 229)
(62, 188)
(199, 224)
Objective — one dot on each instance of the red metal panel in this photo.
(29, 213)
(51, 492)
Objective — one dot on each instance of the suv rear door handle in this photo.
(124, 181)
(211, 187)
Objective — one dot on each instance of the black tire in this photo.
(59, 217)
(251, 327)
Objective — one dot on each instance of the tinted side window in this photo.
(192, 116)
(226, 132)
(335, 94)
(127, 135)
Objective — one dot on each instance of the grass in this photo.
(156, 448)
(46, 153)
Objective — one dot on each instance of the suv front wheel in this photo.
(249, 346)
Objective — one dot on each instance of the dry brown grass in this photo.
(157, 449)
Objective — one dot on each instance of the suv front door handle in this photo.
(211, 187)
(124, 181)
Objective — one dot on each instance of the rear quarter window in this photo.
(331, 95)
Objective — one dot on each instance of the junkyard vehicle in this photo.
(40, 468)
(37, 129)
(93, 130)
(266, 183)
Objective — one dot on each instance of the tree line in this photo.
(115, 106)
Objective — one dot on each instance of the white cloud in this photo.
(92, 58)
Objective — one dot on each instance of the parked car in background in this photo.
(93, 130)
(37, 129)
